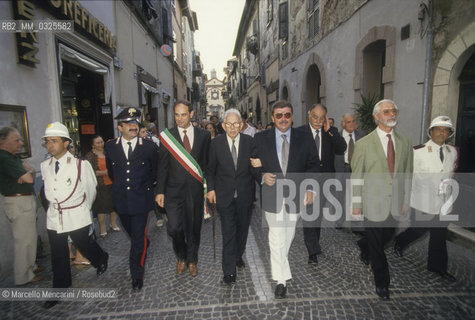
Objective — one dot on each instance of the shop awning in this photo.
(77, 58)
(149, 88)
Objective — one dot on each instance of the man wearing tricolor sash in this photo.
(181, 185)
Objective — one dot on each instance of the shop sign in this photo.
(88, 129)
(84, 21)
(26, 40)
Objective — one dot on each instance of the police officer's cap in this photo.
(129, 114)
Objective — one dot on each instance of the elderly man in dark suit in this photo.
(284, 153)
(342, 162)
(328, 143)
(230, 178)
(132, 165)
(183, 156)
(383, 162)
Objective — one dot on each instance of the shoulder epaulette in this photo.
(419, 146)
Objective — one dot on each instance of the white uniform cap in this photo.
(56, 129)
(442, 121)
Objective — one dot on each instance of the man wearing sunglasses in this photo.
(382, 162)
(287, 153)
(328, 143)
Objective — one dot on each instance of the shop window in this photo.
(84, 110)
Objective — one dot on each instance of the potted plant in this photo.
(364, 112)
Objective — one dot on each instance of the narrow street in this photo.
(339, 287)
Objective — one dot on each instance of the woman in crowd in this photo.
(212, 129)
(103, 203)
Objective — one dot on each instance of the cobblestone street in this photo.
(339, 287)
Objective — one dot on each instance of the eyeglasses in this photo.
(232, 124)
(287, 115)
(388, 111)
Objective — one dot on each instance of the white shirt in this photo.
(346, 136)
(314, 133)
(236, 144)
(125, 145)
(190, 133)
(250, 130)
(384, 140)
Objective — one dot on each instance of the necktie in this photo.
(56, 167)
(284, 153)
(186, 142)
(441, 154)
(234, 154)
(317, 143)
(390, 155)
(351, 148)
(129, 152)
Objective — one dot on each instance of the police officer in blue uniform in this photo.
(132, 164)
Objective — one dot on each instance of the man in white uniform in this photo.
(434, 164)
(70, 187)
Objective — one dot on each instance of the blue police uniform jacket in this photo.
(133, 179)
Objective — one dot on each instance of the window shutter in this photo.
(283, 21)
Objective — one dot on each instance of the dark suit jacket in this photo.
(173, 179)
(223, 178)
(136, 195)
(332, 143)
(340, 158)
(302, 159)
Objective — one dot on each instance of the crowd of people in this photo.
(180, 172)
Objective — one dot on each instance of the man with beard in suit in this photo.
(230, 178)
(183, 156)
(383, 163)
(132, 165)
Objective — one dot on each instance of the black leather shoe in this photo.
(364, 257)
(397, 250)
(280, 291)
(445, 275)
(103, 267)
(383, 293)
(137, 284)
(50, 303)
(312, 259)
(240, 263)
(229, 279)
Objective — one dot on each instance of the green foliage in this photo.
(364, 112)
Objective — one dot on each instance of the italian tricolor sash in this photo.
(186, 160)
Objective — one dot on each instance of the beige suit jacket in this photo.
(376, 192)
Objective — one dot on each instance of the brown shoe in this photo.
(180, 267)
(193, 269)
(39, 270)
(36, 278)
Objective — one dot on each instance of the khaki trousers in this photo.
(21, 213)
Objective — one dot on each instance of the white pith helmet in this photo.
(442, 121)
